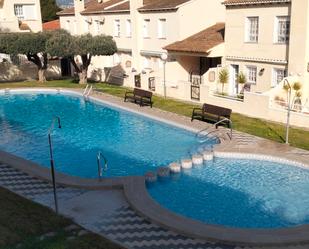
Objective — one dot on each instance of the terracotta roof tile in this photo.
(253, 2)
(156, 5)
(52, 25)
(96, 7)
(119, 8)
(201, 42)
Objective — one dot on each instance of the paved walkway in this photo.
(109, 214)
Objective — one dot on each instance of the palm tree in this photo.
(223, 77)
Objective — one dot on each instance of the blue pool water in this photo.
(131, 143)
(238, 193)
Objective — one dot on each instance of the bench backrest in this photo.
(142, 93)
(217, 110)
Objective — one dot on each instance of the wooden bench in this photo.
(139, 96)
(212, 113)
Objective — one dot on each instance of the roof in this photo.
(52, 25)
(253, 2)
(157, 5)
(201, 42)
(94, 7)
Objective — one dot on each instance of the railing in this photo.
(100, 168)
(87, 91)
(295, 107)
(199, 134)
(52, 165)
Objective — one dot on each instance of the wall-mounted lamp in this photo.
(261, 72)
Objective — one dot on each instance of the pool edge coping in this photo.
(138, 197)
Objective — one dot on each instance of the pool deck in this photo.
(128, 195)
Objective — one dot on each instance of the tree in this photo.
(49, 10)
(223, 77)
(32, 45)
(83, 47)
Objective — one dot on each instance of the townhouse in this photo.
(20, 15)
(142, 29)
(267, 40)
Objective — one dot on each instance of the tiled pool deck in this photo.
(104, 209)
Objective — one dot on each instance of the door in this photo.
(65, 67)
(137, 80)
(233, 87)
(152, 83)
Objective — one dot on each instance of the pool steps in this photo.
(175, 168)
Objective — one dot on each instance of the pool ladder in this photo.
(87, 91)
(101, 169)
(205, 132)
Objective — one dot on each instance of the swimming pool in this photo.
(238, 193)
(133, 144)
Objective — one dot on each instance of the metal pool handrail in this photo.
(222, 120)
(52, 166)
(100, 168)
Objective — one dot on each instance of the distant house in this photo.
(20, 15)
(267, 40)
(141, 29)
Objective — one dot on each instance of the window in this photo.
(252, 29)
(67, 25)
(278, 76)
(251, 74)
(146, 28)
(162, 28)
(128, 28)
(117, 28)
(25, 11)
(97, 28)
(146, 63)
(282, 29)
(86, 25)
(75, 27)
(19, 11)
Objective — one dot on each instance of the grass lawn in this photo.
(262, 128)
(22, 223)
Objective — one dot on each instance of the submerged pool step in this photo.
(175, 167)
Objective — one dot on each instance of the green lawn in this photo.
(23, 222)
(262, 128)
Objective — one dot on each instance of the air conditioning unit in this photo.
(101, 19)
(89, 20)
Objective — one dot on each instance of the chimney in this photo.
(79, 6)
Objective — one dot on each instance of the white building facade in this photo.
(20, 15)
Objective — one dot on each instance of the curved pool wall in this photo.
(140, 200)
(238, 193)
(132, 144)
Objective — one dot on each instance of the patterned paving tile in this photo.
(122, 225)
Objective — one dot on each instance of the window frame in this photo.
(19, 11)
(162, 28)
(146, 25)
(275, 71)
(248, 29)
(248, 68)
(128, 28)
(286, 39)
(117, 28)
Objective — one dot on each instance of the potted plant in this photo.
(223, 78)
(241, 80)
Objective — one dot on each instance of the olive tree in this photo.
(32, 45)
(82, 47)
